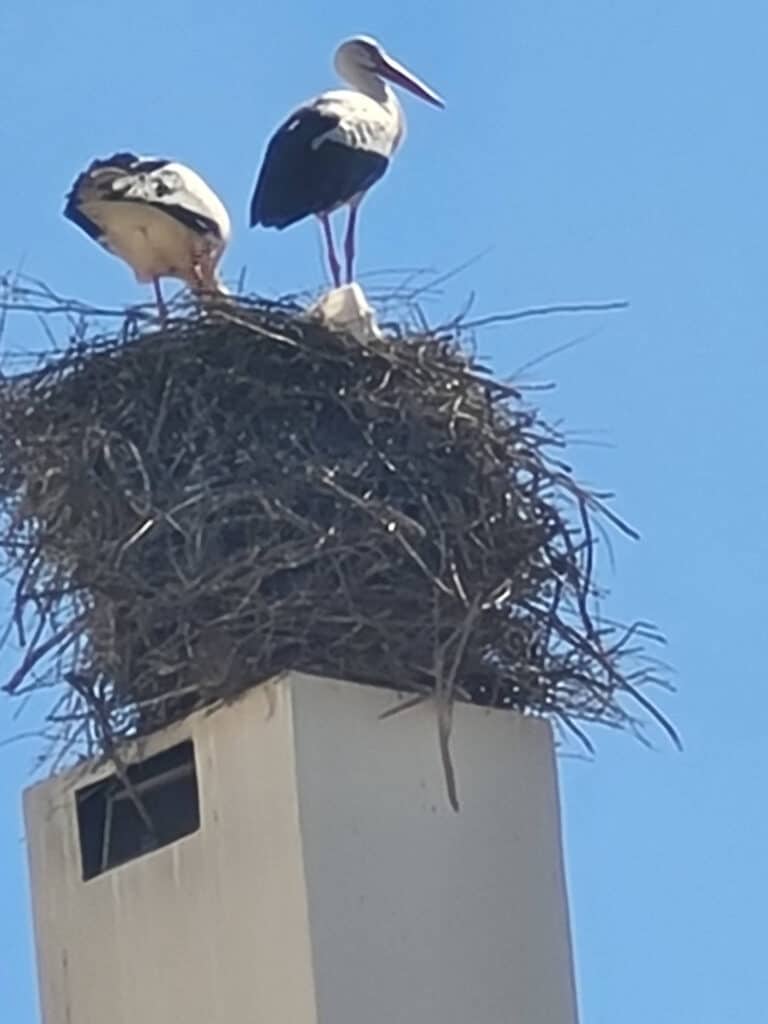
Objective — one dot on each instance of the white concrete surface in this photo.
(329, 882)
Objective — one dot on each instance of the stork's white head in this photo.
(361, 57)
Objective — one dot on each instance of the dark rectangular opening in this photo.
(117, 824)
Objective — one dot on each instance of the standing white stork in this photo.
(332, 149)
(157, 215)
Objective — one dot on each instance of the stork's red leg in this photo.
(349, 241)
(333, 262)
(162, 309)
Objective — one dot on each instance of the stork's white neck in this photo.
(365, 81)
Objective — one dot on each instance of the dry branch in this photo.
(187, 512)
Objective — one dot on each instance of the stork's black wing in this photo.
(100, 186)
(304, 173)
(127, 178)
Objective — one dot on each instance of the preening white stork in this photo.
(332, 149)
(157, 215)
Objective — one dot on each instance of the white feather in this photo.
(177, 185)
(364, 123)
(165, 222)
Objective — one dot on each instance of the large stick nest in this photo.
(193, 510)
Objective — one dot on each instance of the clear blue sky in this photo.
(591, 150)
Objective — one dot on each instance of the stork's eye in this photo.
(368, 52)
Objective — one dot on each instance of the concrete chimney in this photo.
(296, 862)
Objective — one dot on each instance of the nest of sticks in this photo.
(192, 510)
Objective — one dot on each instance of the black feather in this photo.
(132, 164)
(125, 161)
(298, 178)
